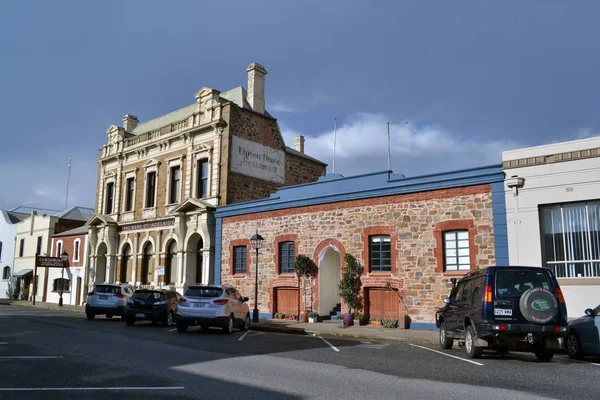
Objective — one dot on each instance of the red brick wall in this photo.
(68, 245)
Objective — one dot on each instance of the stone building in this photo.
(415, 233)
(160, 181)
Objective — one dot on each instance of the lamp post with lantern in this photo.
(65, 259)
(256, 241)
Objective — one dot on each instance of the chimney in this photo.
(130, 122)
(256, 87)
(299, 143)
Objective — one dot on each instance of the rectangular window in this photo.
(61, 284)
(150, 189)
(58, 249)
(380, 253)
(22, 248)
(239, 259)
(287, 254)
(129, 193)
(571, 239)
(0, 250)
(175, 185)
(456, 251)
(38, 249)
(110, 192)
(201, 178)
(76, 251)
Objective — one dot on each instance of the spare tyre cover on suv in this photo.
(538, 305)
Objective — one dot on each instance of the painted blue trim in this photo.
(425, 326)
(500, 226)
(218, 245)
(262, 316)
(362, 187)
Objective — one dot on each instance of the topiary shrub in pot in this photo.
(349, 288)
(306, 270)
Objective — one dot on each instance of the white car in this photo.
(220, 306)
(108, 299)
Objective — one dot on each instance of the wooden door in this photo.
(286, 301)
(382, 303)
(78, 293)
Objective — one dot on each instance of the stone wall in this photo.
(300, 170)
(414, 221)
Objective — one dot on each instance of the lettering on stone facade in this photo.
(148, 225)
(258, 161)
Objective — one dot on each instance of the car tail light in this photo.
(221, 302)
(120, 295)
(487, 294)
(561, 298)
(182, 300)
(91, 293)
(502, 328)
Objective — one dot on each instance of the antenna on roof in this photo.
(389, 151)
(334, 138)
(68, 178)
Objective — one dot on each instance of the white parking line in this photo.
(595, 364)
(172, 330)
(243, 336)
(3, 342)
(27, 357)
(87, 389)
(445, 354)
(330, 345)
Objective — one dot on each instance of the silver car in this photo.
(213, 305)
(108, 299)
(584, 335)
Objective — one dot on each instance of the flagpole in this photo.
(68, 179)
(334, 139)
(389, 145)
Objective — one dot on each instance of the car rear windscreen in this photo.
(148, 295)
(107, 289)
(514, 283)
(204, 292)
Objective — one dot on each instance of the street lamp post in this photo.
(256, 240)
(65, 259)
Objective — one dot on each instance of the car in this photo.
(152, 305)
(583, 338)
(502, 308)
(213, 306)
(108, 299)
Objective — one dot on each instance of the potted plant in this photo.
(313, 317)
(358, 318)
(306, 270)
(404, 320)
(349, 288)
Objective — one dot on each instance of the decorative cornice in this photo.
(552, 158)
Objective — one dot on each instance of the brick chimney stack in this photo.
(299, 143)
(256, 87)
(130, 122)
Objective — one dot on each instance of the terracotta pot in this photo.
(304, 316)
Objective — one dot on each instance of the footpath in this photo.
(334, 328)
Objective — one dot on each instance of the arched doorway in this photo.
(147, 269)
(194, 259)
(101, 263)
(125, 267)
(330, 266)
(171, 264)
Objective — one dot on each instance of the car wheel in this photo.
(573, 345)
(90, 315)
(130, 319)
(472, 350)
(169, 318)
(543, 354)
(246, 323)
(109, 316)
(229, 327)
(181, 327)
(445, 341)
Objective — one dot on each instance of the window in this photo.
(6, 273)
(0, 250)
(129, 193)
(287, 254)
(239, 259)
(76, 250)
(175, 184)
(22, 248)
(477, 293)
(38, 249)
(150, 189)
(110, 193)
(456, 251)
(202, 178)
(571, 239)
(61, 284)
(380, 253)
(58, 249)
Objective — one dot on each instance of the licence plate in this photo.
(139, 315)
(502, 311)
(199, 305)
(103, 297)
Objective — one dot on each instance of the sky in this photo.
(459, 81)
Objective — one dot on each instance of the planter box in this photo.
(375, 323)
(312, 320)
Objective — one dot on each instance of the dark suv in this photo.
(152, 305)
(505, 308)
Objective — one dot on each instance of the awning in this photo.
(22, 273)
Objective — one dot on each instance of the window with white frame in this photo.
(570, 235)
(21, 247)
(6, 273)
(174, 184)
(150, 189)
(109, 197)
(0, 250)
(76, 245)
(61, 284)
(456, 251)
(58, 248)
(129, 194)
(202, 178)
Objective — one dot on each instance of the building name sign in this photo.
(148, 225)
(258, 161)
(55, 262)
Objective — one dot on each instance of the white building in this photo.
(552, 197)
(8, 230)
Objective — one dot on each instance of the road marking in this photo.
(87, 388)
(27, 357)
(595, 364)
(330, 345)
(243, 336)
(172, 330)
(3, 342)
(445, 354)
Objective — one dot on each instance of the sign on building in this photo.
(258, 161)
(160, 270)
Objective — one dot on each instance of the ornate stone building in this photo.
(159, 183)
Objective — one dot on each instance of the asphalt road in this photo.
(52, 354)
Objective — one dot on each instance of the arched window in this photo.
(61, 284)
(6, 273)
